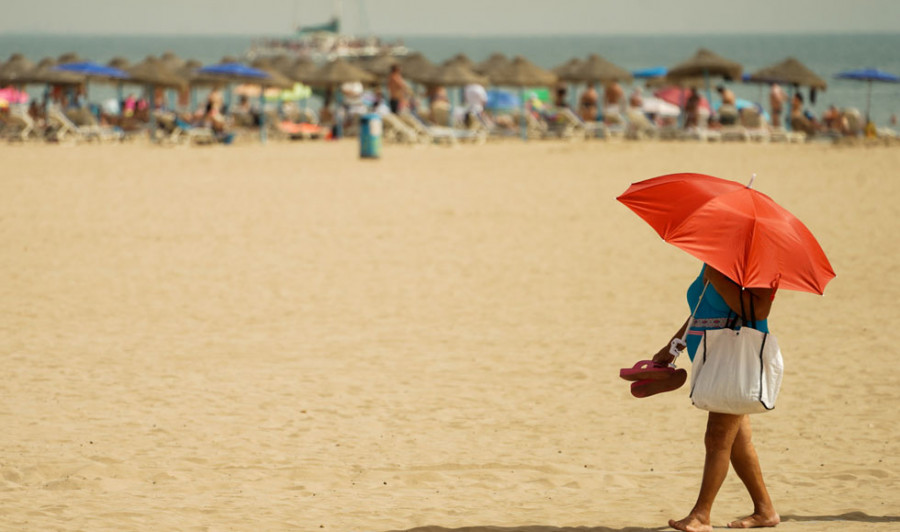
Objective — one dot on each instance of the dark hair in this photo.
(799, 96)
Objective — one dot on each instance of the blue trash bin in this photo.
(370, 136)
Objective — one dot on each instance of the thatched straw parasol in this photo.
(598, 70)
(461, 58)
(337, 72)
(456, 75)
(14, 69)
(790, 71)
(153, 71)
(496, 61)
(44, 73)
(566, 70)
(119, 62)
(69, 57)
(380, 65)
(276, 78)
(417, 67)
(302, 69)
(523, 73)
(705, 63)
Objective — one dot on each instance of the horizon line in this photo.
(455, 35)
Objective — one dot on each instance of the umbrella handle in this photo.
(675, 348)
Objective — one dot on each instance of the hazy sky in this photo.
(451, 17)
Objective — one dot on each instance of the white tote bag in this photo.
(736, 371)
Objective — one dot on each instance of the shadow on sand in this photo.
(858, 517)
(532, 528)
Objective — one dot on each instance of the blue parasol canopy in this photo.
(868, 74)
(89, 68)
(652, 72)
(234, 69)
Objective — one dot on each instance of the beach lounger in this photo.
(441, 134)
(65, 128)
(397, 130)
(18, 125)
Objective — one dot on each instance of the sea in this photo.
(824, 54)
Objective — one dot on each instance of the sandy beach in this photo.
(286, 337)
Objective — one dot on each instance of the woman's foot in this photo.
(691, 523)
(756, 521)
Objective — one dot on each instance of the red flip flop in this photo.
(648, 387)
(646, 369)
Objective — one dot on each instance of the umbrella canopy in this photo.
(14, 69)
(566, 70)
(790, 71)
(597, 69)
(338, 72)
(657, 106)
(119, 62)
(380, 65)
(44, 73)
(456, 75)
(869, 75)
(706, 63)
(69, 57)
(523, 73)
(152, 71)
(417, 67)
(301, 70)
(738, 231)
(171, 60)
(276, 78)
(496, 61)
(11, 95)
(93, 70)
(651, 72)
(461, 58)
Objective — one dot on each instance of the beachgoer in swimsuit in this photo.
(727, 435)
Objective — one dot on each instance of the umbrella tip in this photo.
(750, 184)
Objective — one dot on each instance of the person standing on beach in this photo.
(588, 104)
(728, 436)
(398, 89)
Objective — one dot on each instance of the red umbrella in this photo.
(679, 96)
(740, 232)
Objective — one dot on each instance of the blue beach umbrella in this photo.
(869, 75)
(93, 70)
(234, 71)
(651, 72)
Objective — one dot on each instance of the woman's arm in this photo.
(732, 294)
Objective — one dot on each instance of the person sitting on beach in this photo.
(834, 121)
(613, 98)
(475, 98)
(588, 104)
(728, 113)
(636, 100)
(560, 101)
(777, 97)
(800, 119)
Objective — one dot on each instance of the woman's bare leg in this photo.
(721, 430)
(746, 465)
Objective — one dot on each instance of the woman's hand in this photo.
(663, 357)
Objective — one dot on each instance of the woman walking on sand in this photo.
(750, 246)
(728, 436)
